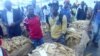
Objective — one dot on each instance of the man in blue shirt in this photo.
(67, 11)
(96, 24)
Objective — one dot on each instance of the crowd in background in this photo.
(55, 17)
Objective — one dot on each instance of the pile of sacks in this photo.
(80, 24)
(15, 43)
(52, 49)
(77, 41)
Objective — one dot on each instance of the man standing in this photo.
(57, 24)
(82, 11)
(96, 24)
(37, 9)
(67, 11)
(11, 18)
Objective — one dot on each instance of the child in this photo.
(33, 27)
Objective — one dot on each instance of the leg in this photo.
(17, 30)
(95, 35)
(61, 40)
(35, 43)
(40, 42)
(98, 35)
(10, 32)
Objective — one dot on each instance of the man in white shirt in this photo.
(12, 18)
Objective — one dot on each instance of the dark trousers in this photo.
(37, 42)
(1, 31)
(97, 35)
(14, 31)
(60, 40)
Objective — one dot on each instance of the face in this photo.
(82, 3)
(8, 5)
(65, 4)
(30, 10)
(54, 10)
(33, 3)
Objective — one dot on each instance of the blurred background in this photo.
(23, 3)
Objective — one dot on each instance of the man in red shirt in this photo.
(33, 26)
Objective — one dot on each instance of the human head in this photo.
(75, 5)
(8, 5)
(54, 8)
(44, 7)
(82, 3)
(61, 6)
(67, 4)
(33, 3)
(30, 10)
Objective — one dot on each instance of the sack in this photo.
(15, 43)
(80, 24)
(78, 41)
(52, 49)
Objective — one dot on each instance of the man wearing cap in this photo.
(57, 24)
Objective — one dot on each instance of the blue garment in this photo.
(1, 31)
(17, 17)
(14, 31)
(37, 42)
(96, 8)
(61, 40)
(82, 12)
(96, 29)
(66, 12)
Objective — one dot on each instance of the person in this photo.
(74, 12)
(89, 13)
(37, 9)
(57, 24)
(60, 8)
(1, 31)
(11, 19)
(67, 11)
(2, 50)
(45, 17)
(33, 26)
(82, 11)
(96, 24)
(46, 12)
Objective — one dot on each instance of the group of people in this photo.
(56, 19)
